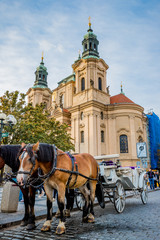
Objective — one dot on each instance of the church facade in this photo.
(99, 124)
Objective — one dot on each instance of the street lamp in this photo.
(6, 121)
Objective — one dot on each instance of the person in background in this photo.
(151, 180)
(156, 179)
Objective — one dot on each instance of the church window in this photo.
(39, 75)
(140, 139)
(82, 84)
(102, 115)
(43, 77)
(102, 136)
(99, 83)
(95, 47)
(61, 100)
(123, 144)
(90, 45)
(82, 116)
(85, 46)
(82, 136)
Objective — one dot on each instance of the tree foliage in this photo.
(33, 123)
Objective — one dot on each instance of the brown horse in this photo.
(60, 172)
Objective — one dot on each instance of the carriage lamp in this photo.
(6, 121)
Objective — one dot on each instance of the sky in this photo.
(129, 42)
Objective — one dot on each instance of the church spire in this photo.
(41, 75)
(122, 89)
(90, 44)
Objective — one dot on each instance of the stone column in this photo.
(133, 140)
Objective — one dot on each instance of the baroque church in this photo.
(99, 124)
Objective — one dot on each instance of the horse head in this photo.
(28, 162)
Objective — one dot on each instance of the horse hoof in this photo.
(67, 213)
(24, 223)
(45, 229)
(31, 226)
(60, 230)
(90, 218)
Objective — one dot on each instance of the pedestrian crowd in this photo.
(153, 177)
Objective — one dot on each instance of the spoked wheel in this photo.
(80, 201)
(144, 193)
(119, 197)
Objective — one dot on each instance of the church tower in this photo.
(90, 98)
(40, 93)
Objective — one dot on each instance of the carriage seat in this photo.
(108, 163)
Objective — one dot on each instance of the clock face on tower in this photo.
(141, 150)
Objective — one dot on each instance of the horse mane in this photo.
(9, 154)
(45, 152)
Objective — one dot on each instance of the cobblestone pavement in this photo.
(138, 221)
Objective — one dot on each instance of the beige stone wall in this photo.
(39, 95)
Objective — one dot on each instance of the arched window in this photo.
(123, 144)
(95, 47)
(102, 115)
(140, 139)
(99, 83)
(81, 115)
(82, 136)
(82, 84)
(90, 45)
(102, 136)
(61, 101)
(39, 75)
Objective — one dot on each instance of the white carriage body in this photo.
(130, 178)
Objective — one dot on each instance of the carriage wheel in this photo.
(144, 193)
(80, 201)
(119, 197)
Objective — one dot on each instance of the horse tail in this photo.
(100, 194)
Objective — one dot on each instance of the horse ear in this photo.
(23, 144)
(36, 147)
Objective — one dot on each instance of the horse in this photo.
(9, 155)
(62, 171)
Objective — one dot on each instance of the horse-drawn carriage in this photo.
(118, 181)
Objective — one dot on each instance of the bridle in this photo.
(32, 158)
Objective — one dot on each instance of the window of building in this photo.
(85, 46)
(43, 77)
(102, 136)
(82, 84)
(102, 115)
(82, 116)
(39, 75)
(61, 101)
(99, 83)
(140, 139)
(123, 144)
(82, 136)
(90, 45)
(95, 47)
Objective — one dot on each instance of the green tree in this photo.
(33, 123)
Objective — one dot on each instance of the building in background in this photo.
(100, 124)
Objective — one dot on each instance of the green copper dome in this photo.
(90, 45)
(41, 76)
